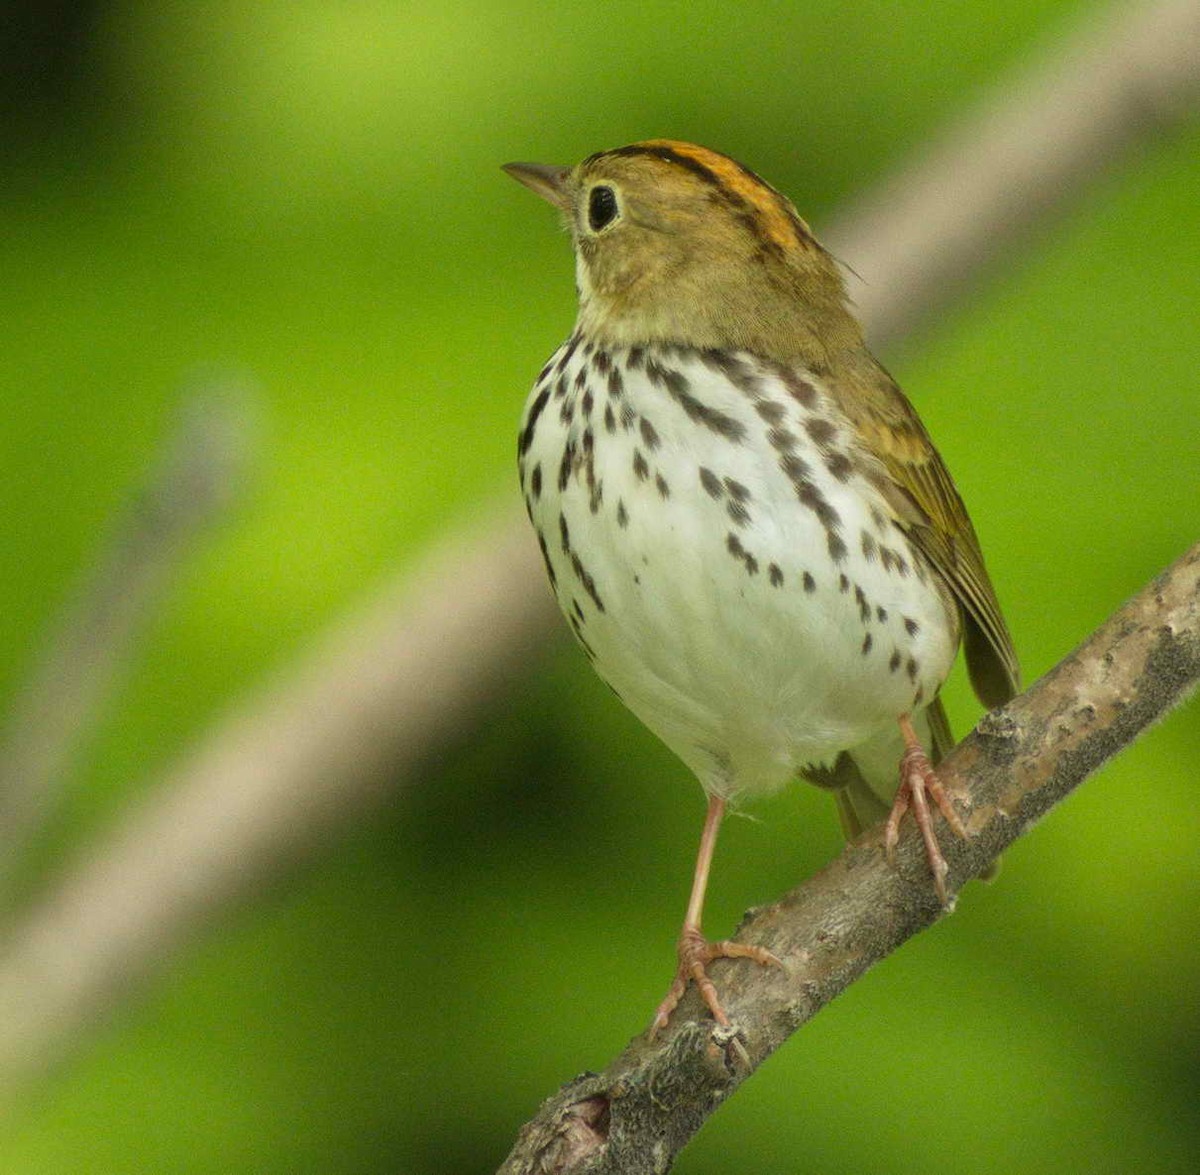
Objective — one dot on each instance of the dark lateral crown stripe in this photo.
(685, 160)
(742, 188)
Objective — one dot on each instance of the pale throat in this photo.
(624, 319)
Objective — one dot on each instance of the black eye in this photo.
(602, 207)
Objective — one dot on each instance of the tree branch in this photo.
(1009, 772)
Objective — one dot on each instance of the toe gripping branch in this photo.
(918, 782)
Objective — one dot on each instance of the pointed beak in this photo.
(547, 181)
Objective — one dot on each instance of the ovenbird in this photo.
(743, 518)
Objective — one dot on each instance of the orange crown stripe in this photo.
(779, 221)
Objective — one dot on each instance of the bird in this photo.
(742, 517)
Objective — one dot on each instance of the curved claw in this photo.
(695, 953)
(918, 781)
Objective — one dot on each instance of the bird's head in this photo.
(675, 243)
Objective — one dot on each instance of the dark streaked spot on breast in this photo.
(864, 609)
(566, 465)
(589, 584)
(567, 352)
(795, 468)
(733, 368)
(535, 411)
(771, 411)
(820, 430)
(541, 538)
(734, 546)
(798, 387)
(677, 387)
(811, 496)
(839, 465)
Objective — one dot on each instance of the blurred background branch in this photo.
(995, 175)
(633, 1118)
(316, 749)
(199, 475)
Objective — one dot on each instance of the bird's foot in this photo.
(918, 782)
(695, 953)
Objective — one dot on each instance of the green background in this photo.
(309, 193)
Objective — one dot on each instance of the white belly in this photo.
(730, 575)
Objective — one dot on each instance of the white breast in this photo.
(728, 570)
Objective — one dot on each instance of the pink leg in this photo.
(917, 781)
(695, 952)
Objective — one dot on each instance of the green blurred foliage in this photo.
(308, 192)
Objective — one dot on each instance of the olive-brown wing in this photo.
(902, 461)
